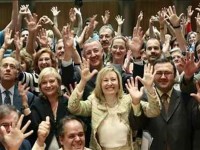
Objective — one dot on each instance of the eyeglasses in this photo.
(165, 73)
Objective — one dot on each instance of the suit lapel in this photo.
(1, 98)
(174, 102)
(17, 98)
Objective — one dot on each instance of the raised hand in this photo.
(161, 16)
(14, 139)
(55, 11)
(24, 10)
(106, 17)
(135, 44)
(140, 16)
(190, 66)
(68, 36)
(189, 12)
(46, 20)
(172, 16)
(90, 28)
(42, 37)
(7, 38)
(139, 19)
(18, 42)
(32, 23)
(72, 15)
(43, 131)
(70, 90)
(135, 93)
(198, 22)
(148, 77)
(119, 20)
(198, 8)
(86, 75)
(23, 90)
(78, 11)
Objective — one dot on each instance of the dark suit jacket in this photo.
(17, 102)
(174, 129)
(24, 146)
(42, 108)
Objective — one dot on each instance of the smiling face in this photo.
(44, 61)
(94, 52)
(192, 38)
(105, 37)
(165, 76)
(118, 50)
(110, 84)
(73, 137)
(49, 85)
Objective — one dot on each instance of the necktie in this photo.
(7, 99)
(165, 103)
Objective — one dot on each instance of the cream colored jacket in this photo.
(97, 110)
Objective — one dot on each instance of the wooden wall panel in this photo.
(88, 9)
(129, 9)
(5, 14)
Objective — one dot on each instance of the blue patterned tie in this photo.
(7, 99)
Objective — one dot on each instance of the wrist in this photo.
(4, 47)
(40, 143)
(188, 77)
(52, 25)
(176, 26)
(150, 90)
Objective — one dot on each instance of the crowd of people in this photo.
(83, 89)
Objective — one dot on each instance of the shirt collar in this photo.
(160, 93)
(11, 90)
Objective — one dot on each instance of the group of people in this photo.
(73, 89)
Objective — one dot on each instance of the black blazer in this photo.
(176, 128)
(39, 110)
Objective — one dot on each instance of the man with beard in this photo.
(153, 50)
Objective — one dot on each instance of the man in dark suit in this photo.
(172, 129)
(9, 69)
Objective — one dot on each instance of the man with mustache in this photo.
(106, 34)
(153, 50)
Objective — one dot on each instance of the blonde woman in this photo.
(109, 106)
